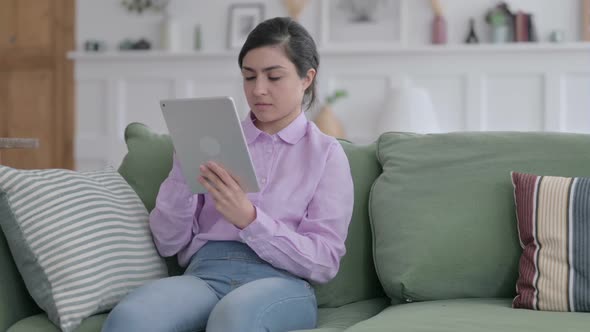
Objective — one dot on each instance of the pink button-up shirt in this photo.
(302, 210)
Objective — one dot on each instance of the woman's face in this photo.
(273, 88)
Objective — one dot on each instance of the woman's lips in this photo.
(262, 105)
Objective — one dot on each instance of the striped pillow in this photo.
(554, 229)
(81, 241)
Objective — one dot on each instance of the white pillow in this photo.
(80, 240)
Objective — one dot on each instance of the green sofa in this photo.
(432, 245)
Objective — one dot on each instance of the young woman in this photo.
(249, 256)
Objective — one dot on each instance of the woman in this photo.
(249, 256)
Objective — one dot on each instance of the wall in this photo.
(107, 20)
(521, 87)
(540, 88)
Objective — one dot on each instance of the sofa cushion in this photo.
(40, 323)
(339, 319)
(554, 230)
(329, 319)
(443, 216)
(149, 161)
(470, 315)
(80, 240)
(145, 166)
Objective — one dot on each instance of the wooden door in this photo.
(36, 81)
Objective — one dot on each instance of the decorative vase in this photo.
(295, 7)
(171, 31)
(439, 24)
(439, 30)
(197, 37)
(500, 34)
(328, 123)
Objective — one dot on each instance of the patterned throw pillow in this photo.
(554, 229)
(80, 240)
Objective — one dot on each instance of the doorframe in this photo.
(65, 25)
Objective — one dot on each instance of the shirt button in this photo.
(263, 180)
(269, 151)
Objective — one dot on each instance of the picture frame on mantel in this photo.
(362, 23)
(242, 19)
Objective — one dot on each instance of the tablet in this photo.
(209, 129)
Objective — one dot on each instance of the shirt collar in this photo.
(250, 130)
(290, 134)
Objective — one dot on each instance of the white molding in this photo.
(474, 102)
(567, 111)
(120, 101)
(555, 117)
(182, 88)
(483, 109)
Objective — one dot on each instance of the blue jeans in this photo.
(225, 288)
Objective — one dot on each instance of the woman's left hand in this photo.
(230, 199)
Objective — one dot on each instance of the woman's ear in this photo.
(308, 79)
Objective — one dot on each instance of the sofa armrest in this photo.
(15, 301)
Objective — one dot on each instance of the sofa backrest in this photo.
(443, 211)
(149, 160)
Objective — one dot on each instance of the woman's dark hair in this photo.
(297, 43)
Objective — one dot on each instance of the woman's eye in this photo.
(249, 78)
(274, 78)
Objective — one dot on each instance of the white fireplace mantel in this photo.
(524, 87)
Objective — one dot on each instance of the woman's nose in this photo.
(260, 87)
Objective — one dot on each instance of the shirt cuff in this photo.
(261, 228)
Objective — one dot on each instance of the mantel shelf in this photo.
(344, 51)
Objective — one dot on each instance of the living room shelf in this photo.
(148, 55)
(462, 49)
(371, 50)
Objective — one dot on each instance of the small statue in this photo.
(142, 44)
(92, 45)
(140, 6)
(472, 36)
